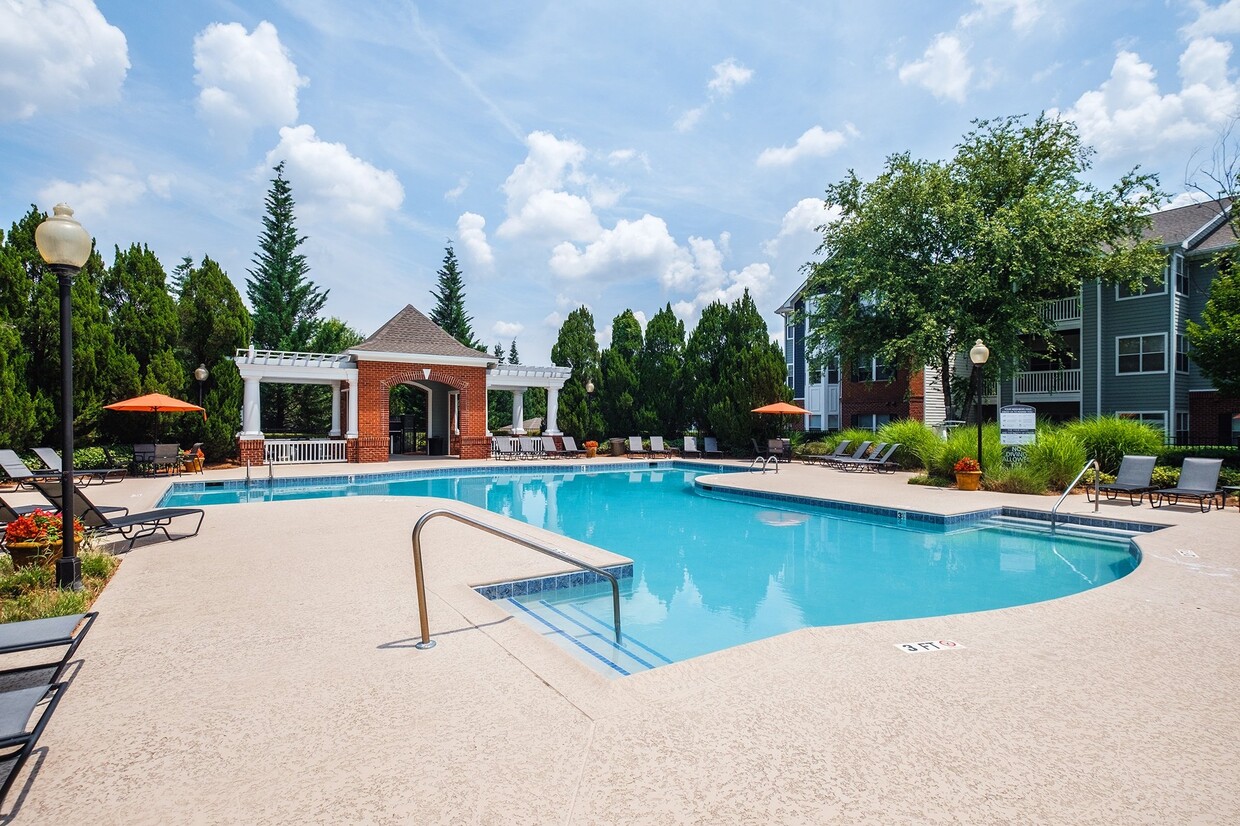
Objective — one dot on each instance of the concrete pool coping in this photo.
(264, 672)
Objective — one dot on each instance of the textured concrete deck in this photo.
(264, 672)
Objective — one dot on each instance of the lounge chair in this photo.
(17, 736)
(131, 526)
(20, 472)
(856, 454)
(502, 447)
(32, 635)
(1134, 476)
(526, 449)
(878, 461)
(690, 448)
(549, 449)
(570, 447)
(51, 458)
(636, 450)
(710, 447)
(850, 462)
(657, 447)
(841, 450)
(10, 512)
(1198, 480)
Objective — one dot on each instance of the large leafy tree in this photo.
(577, 348)
(930, 256)
(449, 312)
(144, 318)
(618, 391)
(1216, 340)
(659, 381)
(285, 302)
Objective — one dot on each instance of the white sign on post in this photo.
(1018, 425)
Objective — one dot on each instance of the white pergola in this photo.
(518, 378)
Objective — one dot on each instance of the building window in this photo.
(872, 370)
(815, 375)
(833, 372)
(792, 382)
(870, 421)
(1181, 274)
(1154, 285)
(1181, 429)
(1141, 354)
(833, 421)
(883, 372)
(815, 422)
(790, 331)
(1181, 354)
(1156, 418)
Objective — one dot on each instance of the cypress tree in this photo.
(576, 347)
(449, 312)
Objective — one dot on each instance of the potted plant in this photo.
(35, 538)
(968, 474)
(591, 449)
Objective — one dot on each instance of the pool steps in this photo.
(587, 637)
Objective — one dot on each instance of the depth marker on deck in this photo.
(928, 645)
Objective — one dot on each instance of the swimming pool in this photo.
(714, 569)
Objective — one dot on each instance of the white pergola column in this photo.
(351, 432)
(518, 412)
(335, 431)
(553, 407)
(251, 410)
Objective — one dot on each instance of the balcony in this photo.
(1049, 384)
(1063, 312)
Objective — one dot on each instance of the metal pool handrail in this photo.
(1097, 471)
(764, 460)
(427, 642)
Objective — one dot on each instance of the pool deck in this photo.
(264, 673)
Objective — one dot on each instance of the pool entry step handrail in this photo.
(533, 545)
(1092, 463)
(764, 461)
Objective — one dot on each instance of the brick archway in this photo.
(375, 380)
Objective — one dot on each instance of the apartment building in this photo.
(1124, 353)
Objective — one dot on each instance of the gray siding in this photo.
(1146, 315)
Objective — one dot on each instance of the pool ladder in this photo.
(764, 461)
(533, 545)
(1092, 463)
(271, 474)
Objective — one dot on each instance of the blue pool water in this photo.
(710, 573)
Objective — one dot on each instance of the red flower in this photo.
(967, 465)
(39, 526)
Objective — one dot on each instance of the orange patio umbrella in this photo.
(781, 407)
(155, 403)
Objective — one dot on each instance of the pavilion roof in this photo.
(412, 333)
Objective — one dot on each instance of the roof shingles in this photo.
(410, 332)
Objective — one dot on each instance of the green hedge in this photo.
(1173, 456)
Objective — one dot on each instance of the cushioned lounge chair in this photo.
(856, 454)
(53, 632)
(636, 450)
(20, 472)
(1198, 480)
(710, 447)
(51, 458)
(690, 448)
(570, 446)
(657, 448)
(17, 736)
(1134, 477)
(131, 526)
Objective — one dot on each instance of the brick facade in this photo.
(1210, 417)
(375, 380)
(251, 451)
(903, 397)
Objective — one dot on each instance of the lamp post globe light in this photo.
(589, 400)
(65, 247)
(201, 374)
(979, 355)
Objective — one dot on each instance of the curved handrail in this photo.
(1097, 471)
(765, 460)
(427, 642)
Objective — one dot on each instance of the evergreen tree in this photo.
(144, 318)
(285, 302)
(660, 384)
(449, 312)
(617, 367)
(177, 277)
(513, 357)
(576, 347)
(21, 414)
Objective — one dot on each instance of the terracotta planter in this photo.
(591, 452)
(25, 554)
(969, 479)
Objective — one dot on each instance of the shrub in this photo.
(1019, 479)
(1103, 478)
(856, 434)
(962, 441)
(1175, 456)
(1057, 457)
(814, 449)
(1109, 438)
(1165, 477)
(920, 445)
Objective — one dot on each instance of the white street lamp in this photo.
(979, 355)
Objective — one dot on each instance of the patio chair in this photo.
(657, 448)
(1198, 480)
(851, 462)
(51, 458)
(1134, 476)
(17, 736)
(502, 447)
(856, 454)
(878, 461)
(10, 512)
(570, 447)
(168, 457)
(710, 447)
(143, 458)
(690, 448)
(33, 635)
(526, 449)
(20, 473)
(549, 449)
(131, 526)
(636, 450)
(841, 450)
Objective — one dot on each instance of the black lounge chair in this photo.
(849, 462)
(10, 512)
(549, 450)
(51, 458)
(856, 454)
(17, 736)
(878, 461)
(636, 450)
(690, 449)
(657, 448)
(570, 447)
(710, 447)
(20, 472)
(1134, 477)
(841, 450)
(1198, 480)
(131, 526)
(33, 635)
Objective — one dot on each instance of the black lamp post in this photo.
(589, 404)
(201, 374)
(978, 355)
(65, 247)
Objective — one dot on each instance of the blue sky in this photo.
(613, 155)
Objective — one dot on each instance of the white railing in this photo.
(1049, 381)
(288, 358)
(1062, 310)
(303, 451)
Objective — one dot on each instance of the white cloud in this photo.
(507, 329)
(327, 178)
(630, 248)
(538, 202)
(548, 164)
(689, 119)
(553, 214)
(1214, 20)
(620, 157)
(944, 69)
(58, 56)
(93, 199)
(553, 320)
(816, 142)
(1128, 112)
(457, 191)
(802, 220)
(1025, 13)
(472, 236)
(247, 80)
(728, 76)
(1186, 199)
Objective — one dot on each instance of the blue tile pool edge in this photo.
(555, 582)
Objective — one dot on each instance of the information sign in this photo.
(1017, 424)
